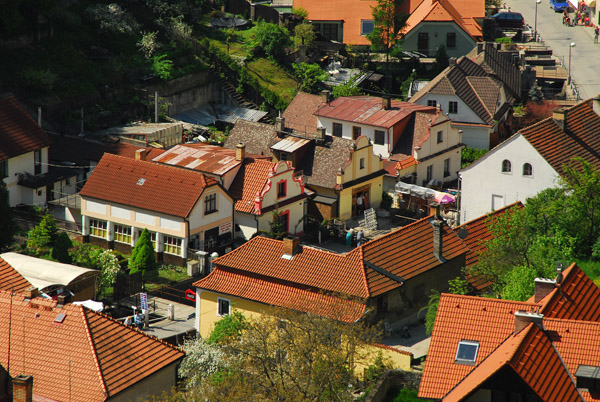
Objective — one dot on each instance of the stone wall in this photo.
(393, 381)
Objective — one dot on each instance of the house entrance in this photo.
(364, 193)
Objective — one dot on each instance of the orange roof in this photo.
(405, 163)
(19, 132)
(249, 182)
(444, 11)
(299, 113)
(531, 354)
(146, 185)
(86, 357)
(10, 279)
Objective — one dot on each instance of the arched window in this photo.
(527, 169)
(506, 167)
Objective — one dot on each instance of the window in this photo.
(223, 307)
(3, 169)
(429, 173)
(172, 245)
(432, 103)
(362, 163)
(440, 136)
(379, 137)
(98, 228)
(281, 223)
(337, 129)
(355, 132)
(283, 156)
(37, 161)
(210, 204)
(527, 169)
(452, 107)
(123, 234)
(466, 352)
(451, 40)
(366, 27)
(281, 189)
(506, 166)
(446, 167)
(211, 238)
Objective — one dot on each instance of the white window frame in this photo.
(98, 228)
(466, 343)
(122, 234)
(172, 245)
(222, 299)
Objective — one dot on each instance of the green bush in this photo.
(162, 67)
(270, 40)
(142, 257)
(470, 155)
(228, 328)
(310, 76)
(60, 250)
(41, 238)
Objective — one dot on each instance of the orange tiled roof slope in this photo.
(444, 11)
(19, 132)
(87, 357)
(10, 279)
(579, 138)
(491, 322)
(299, 113)
(146, 185)
(250, 180)
(369, 110)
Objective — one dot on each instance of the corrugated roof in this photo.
(146, 185)
(290, 144)
(201, 157)
(210, 114)
(19, 132)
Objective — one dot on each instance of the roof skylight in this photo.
(141, 181)
(466, 353)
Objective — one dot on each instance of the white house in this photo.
(530, 161)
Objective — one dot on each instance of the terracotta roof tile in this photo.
(10, 279)
(445, 11)
(19, 132)
(87, 357)
(249, 182)
(166, 189)
(369, 110)
(258, 137)
(299, 115)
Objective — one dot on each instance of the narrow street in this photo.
(585, 56)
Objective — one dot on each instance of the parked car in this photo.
(559, 5)
(508, 19)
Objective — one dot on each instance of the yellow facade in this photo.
(347, 196)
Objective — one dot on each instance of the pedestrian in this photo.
(596, 32)
(139, 322)
(359, 204)
(359, 237)
(127, 321)
(349, 235)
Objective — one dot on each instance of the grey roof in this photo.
(258, 137)
(209, 114)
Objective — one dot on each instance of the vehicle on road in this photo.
(509, 19)
(559, 5)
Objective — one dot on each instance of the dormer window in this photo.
(506, 166)
(466, 352)
(527, 169)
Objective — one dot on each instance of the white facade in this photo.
(367, 131)
(21, 164)
(485, 187)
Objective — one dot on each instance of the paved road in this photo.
(585, 56)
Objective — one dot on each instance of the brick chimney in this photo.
(560, 117)
(523, 318)
(438, 246)
(290, 244)
(61, 300)
(22, 388)
(140, 154)
(543, 287)
(240, 152)
(325, 96)
(31, 292)
(386, 102)
(280, 124)
(321, 133)
(596, 104)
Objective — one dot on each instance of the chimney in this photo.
(31, 292)
(438, 247)
(240, 152)
(140, 154)
(325, 96)
(280, 124)
(321, 133)
(560, 117)
(22, 388)
(61, 300)
(40, 116)
(290, 244)
(386, 102)
(595, 104)
(523, 318)
(480, 47)
(543, 287)
(452, 61)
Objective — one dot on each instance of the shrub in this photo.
(60, 250)
(147, 44)
(470, 155)
(304, 34)
(271, 39)
(41, 238)
(300, 12)
(162, 67)
(109, 269)
(228, 328)
(142, 257)
(310, 76)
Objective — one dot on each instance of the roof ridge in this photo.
(162, 166)
(493, 213)
(363, 269)
(93, 345)
(489, 299)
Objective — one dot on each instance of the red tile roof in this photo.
(369, 110)
(249, 182)
(531, 354)
(86, 357)
(445, 11)
(166, 189)
(10, 279)
(299, 115)
(19, 132)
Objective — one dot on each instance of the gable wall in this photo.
(464, 42)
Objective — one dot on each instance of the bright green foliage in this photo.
(300, 12)
(85, 255)
(41, 238)
(519, 283)
(310, 76)
(347, 89)
(304, 34)
(228, 329)
(60, 250)
(470, 155)
(459, 286)
(109, 269)
(271, 40)
(407, 395)
(432, 307)
(142, 257)
(162, 67)
(6, 218)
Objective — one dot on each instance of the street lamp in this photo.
(571, 46)
(535, 29)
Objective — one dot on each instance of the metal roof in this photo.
(290, 144)
(201, 157)
(209, 114)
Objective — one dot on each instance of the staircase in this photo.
(240, 100)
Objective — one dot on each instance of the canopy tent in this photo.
(425, 193)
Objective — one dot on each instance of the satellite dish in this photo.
(463, 233)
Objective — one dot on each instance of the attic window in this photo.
(60, 318)
(466, 353)
(141, 181)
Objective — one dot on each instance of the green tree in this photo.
(60, 249)
(432, 308)
(470, 155)
(310, 76)
(388, 22)
(348, 88)
(304, 34)
(142, 257)
(278, 230)
(300, 12)
(228, 329)
(441, 59)
(6, 218)
(109, 269)
(41, 238)
(271, 40)
(201, 361)
(162, 67)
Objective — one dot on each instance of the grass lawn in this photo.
(592, 269)
(274, 78)
(165, 275)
